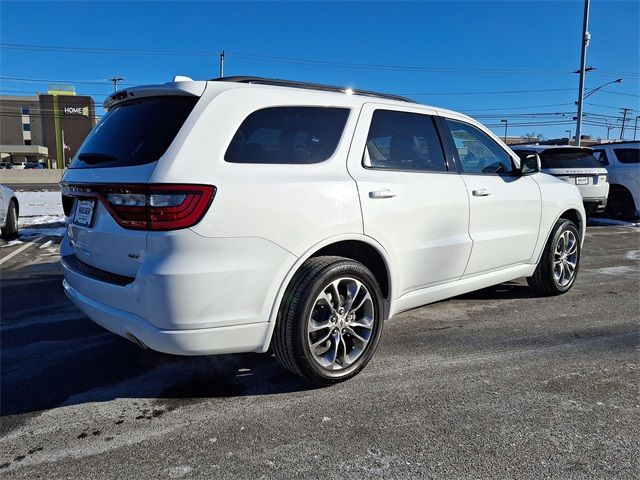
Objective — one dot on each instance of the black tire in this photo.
(290, 341)
(10, 229)
(543, 280)
(620, 205)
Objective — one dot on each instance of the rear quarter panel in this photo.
(293, 206)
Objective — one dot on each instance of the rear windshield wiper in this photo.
(97, 158)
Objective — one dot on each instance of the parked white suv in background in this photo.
(575, 165)
(243, 213)
(622, 161)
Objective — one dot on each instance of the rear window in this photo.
(134, 133)
(628, 155)
(288, 135)
(568, 159)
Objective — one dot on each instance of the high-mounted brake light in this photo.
(151, 206)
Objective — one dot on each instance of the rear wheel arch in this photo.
(364, 249)
(621, 195)
(364, 253)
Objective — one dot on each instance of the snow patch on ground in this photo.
(618, 271)
(11, 243)
(632, 255)
(39, 208)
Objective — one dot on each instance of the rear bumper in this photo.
(204, 341)
(192, 295)
(594, 205)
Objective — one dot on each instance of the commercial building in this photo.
(47, 128)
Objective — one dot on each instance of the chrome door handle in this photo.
(382, 194)
(481, 192)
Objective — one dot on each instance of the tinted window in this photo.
(477, 152)
(568, 158)
(627, 155)
(403, 141)
(601, 156)
(134, 133)
(298, 135)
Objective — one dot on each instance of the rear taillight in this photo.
(150, 206)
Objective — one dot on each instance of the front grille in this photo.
(72, 262)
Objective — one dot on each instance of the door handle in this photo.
(382, 194)
(481, 192)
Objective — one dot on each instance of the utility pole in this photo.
(222, 64)
(115, 81)
(609, 128)
(624, 120)
(635, 128)
(506, 124)
(586, 36)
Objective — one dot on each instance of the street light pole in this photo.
(569, 137)
(619, 80)
(506, 124)
(586, 36)
(115, 81)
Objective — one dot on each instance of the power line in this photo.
(496, 92)
(517, 108)
(120, 51)
(44, 80)
(292, 60)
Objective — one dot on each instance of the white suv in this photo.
(243, 214)
(575, 165)
(622, 161)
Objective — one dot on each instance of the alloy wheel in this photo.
(340, 324)
(565, 257)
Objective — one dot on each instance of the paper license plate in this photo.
(84, 212)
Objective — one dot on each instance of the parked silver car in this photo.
(9, 209)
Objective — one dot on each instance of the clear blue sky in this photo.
(462, 48)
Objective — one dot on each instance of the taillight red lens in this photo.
(157, 206)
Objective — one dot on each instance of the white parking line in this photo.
(16, 252)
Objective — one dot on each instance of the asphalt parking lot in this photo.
(494, 384)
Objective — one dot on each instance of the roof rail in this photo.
(310, 86)
(617, 142)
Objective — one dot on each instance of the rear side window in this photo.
(567, 158)
(403, 141)
(627, 155)
(134, 133)
(288, 135)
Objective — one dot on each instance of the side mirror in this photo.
(529, 164)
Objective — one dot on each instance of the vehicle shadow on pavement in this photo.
(52, 356)
(517, 289)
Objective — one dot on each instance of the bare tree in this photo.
(532, 137)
